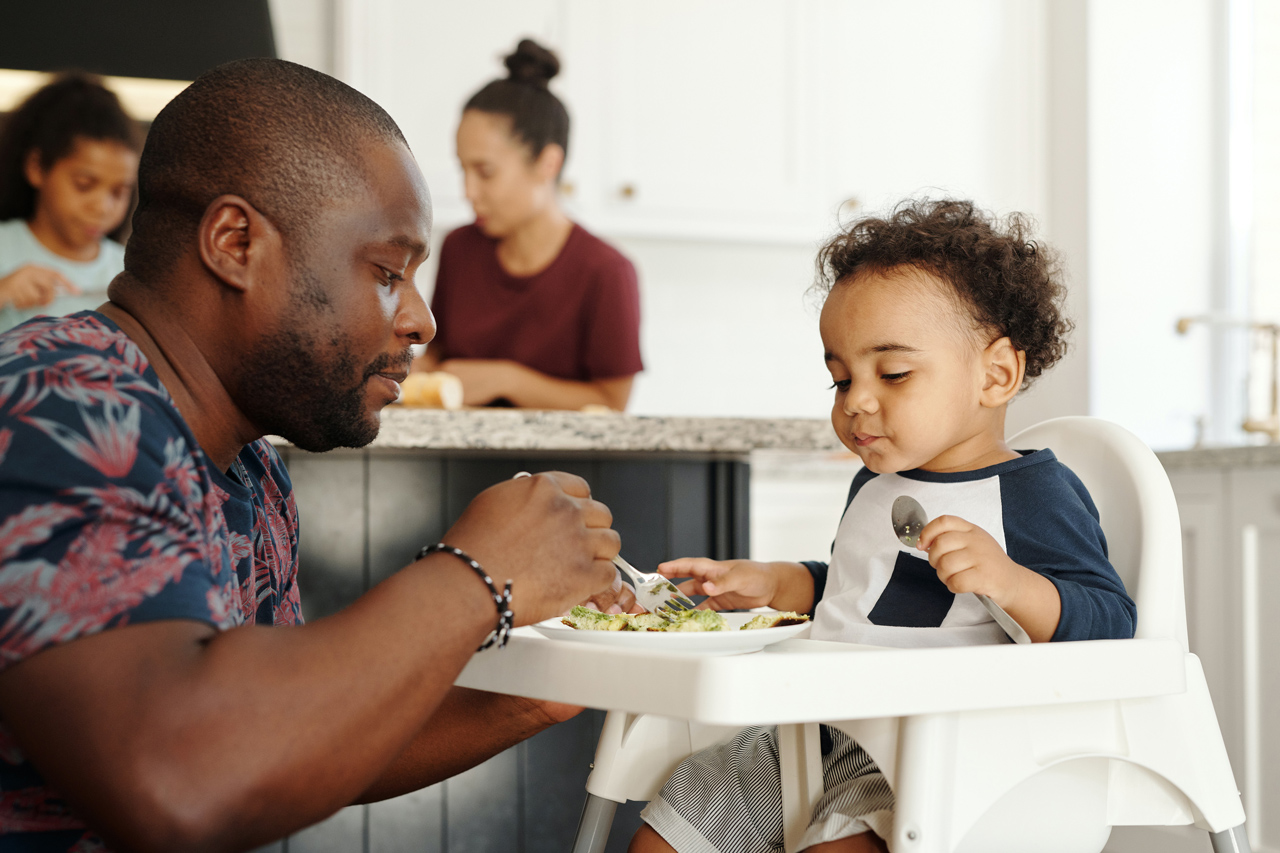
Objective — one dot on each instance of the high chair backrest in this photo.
(1138, 511)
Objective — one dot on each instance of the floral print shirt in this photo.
(111, 515)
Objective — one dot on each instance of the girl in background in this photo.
(533, 310)
(68, 164)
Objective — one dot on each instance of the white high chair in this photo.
(1046, 778)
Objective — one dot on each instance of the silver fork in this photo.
(654, 592)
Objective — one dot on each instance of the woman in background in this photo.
(533, 310)
(68, 164)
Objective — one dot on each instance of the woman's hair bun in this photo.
(532, 63)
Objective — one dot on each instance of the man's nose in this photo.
(414, 320)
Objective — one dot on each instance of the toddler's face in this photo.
(908, 369)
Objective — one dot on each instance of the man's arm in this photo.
(169, 735)
(469, 727)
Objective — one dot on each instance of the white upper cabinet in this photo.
(933, 97)
(693, 116)
(422, 61)
(735, 119)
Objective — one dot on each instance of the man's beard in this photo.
(295, 387)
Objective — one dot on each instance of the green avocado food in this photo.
(586, 619)
(778, 619)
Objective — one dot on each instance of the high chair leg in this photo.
(594, 825)
(1233, 840)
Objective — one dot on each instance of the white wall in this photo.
(304, 32)
(1152, 212)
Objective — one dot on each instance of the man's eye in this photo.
(841, 384)
(389, 278)
(894, 378)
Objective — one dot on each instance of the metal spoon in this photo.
(909, 519)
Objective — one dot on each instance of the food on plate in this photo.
(697, 620)
(779, 619)
(586, 619)
(438, 390)
(647, 622)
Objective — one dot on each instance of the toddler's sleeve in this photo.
(1051, 526)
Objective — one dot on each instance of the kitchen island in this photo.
(676, 486)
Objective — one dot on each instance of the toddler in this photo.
(68, 165)
(934, 319)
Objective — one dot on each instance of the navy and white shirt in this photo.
(880, 592)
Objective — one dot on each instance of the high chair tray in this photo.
(812, 681)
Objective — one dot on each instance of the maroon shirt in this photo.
(577, 319)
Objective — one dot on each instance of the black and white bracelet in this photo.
(506, 616)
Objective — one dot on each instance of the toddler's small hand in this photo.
(969, 559)
(731, 584)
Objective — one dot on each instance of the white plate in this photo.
(728, 642)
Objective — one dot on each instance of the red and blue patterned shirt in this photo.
(111, 515)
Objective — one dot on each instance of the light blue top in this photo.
(18, 247)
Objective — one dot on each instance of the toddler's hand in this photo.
(969, 559)
(731, 584)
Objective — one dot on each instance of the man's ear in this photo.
(1004, 366)
(550, 161)
(234, 239)
(32, 170)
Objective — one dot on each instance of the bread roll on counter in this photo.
(438, 390)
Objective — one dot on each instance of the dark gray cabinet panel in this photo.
(332, 544)
(342, 833)
(413, 823)
(405, 507)
(364, 514)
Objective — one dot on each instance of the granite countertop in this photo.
(558, 431)
(1222, 457)
(526, 429)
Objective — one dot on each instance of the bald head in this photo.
(284, 137)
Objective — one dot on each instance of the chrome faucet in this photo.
(1270, 425)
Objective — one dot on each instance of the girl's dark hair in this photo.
(1011, 283)
(538, 118)
(50, 120)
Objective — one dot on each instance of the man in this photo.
(148, 535)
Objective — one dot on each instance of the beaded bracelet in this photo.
(506, 616)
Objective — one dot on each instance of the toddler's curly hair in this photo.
(1011, 283)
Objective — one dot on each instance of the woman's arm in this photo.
(430, 358)
(486, 380)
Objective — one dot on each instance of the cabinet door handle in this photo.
(627, 190)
